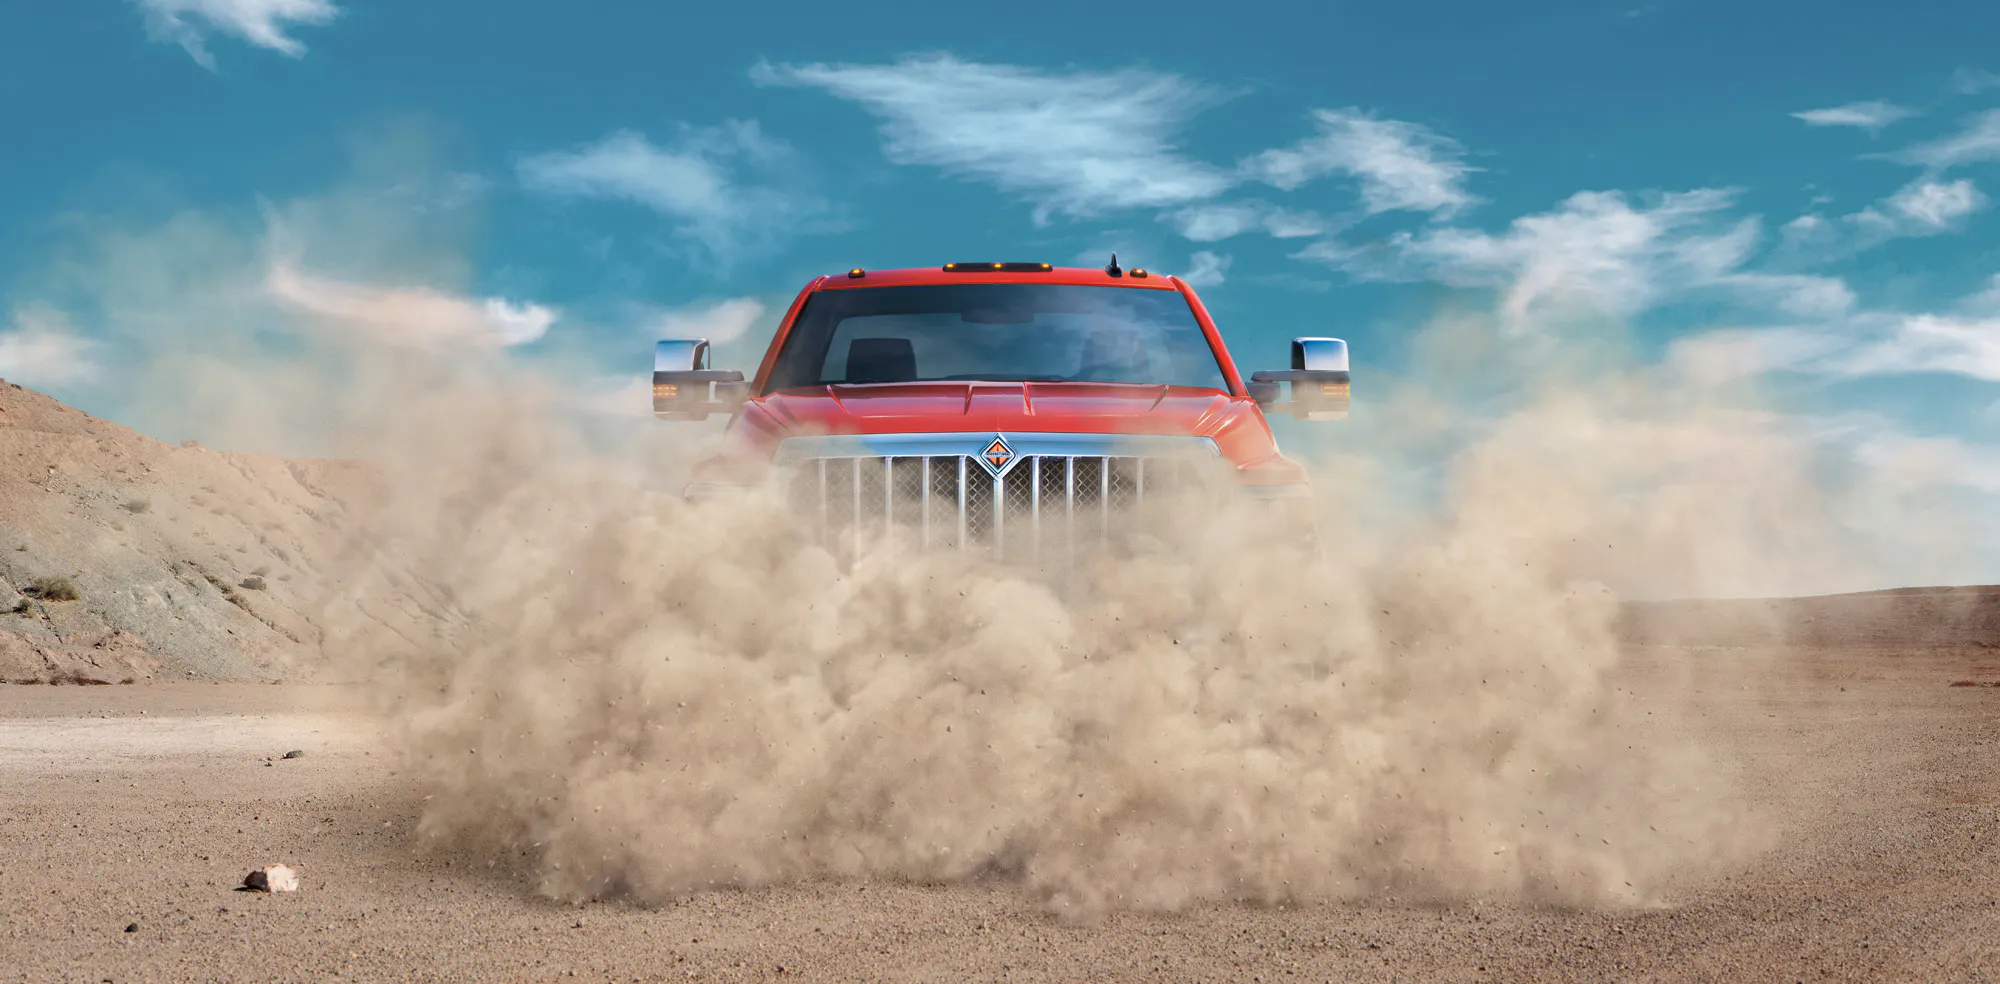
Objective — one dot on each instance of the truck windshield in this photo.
(1055, 333)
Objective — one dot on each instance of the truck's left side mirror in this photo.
(685, 388)
(1318, 378)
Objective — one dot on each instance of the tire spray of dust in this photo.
(640, 697)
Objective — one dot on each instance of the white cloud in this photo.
(1968, 81)
(1206, 269)
(1871, 116)
(722, 321)
(416, 316)
(1798, 295)
(1596, 247)
(1077, 144)
(1986, 302)
(1216, 222)
(1935, 204)
(260, 22)
(1914, 460)
(1977, 141)
(694, 181)
(1714, 357)
(1921, 208)
(42, 349)
(1400, 166)
(1934, 343)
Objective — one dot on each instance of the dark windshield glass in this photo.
(1003, 332)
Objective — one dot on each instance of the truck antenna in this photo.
(1113, 268)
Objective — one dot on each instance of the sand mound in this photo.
(123, 557)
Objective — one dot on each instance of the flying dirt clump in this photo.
(647, 698)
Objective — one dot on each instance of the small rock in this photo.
(253, 583)
(273, 878)
(131, 927)
(295, 754)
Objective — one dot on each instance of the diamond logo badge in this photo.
(997, 455)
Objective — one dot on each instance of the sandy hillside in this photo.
(185, 562)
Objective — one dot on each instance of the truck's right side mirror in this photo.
(685, 388)
(1318, 378)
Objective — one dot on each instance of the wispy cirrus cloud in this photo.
(1399, 166)
(1207, 269)
(40, 348)
(719, 322)
(1076, 144)
(1934, 343)
(414, 316)
(1844, 341)
(1977, 141)
(1871, 116)
(1597, 247)
(1921, 208)
(1217, 221)
(1969, 81)
(726, 187)
(264, 23)
(1085, 143)
(1934, 206)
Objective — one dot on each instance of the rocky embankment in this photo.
(124, 558)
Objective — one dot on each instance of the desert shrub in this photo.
(138, 505)
(55, 588)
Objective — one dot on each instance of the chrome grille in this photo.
(1041, 502)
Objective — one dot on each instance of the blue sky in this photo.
(1784, 192)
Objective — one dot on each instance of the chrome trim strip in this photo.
(924, 520)
(1035, 505)
(1026, 445)
(1103, 500)
(1000, 512)
(1070, 534)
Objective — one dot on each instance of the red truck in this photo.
(993, 404)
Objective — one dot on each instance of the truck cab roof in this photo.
(995, 273)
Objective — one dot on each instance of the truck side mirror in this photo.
(1318, 377)
(685, 388)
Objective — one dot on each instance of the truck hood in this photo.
(1235, 424)
(996, 406)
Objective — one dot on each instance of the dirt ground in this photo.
(146, 804)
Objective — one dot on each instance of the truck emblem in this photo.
(997, 456)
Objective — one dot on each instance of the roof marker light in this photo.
(990, 267)
(1139, 273)
(857, 273)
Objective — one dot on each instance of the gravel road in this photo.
(1877, 779)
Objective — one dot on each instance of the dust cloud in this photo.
(623, 694)
(633, 696)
